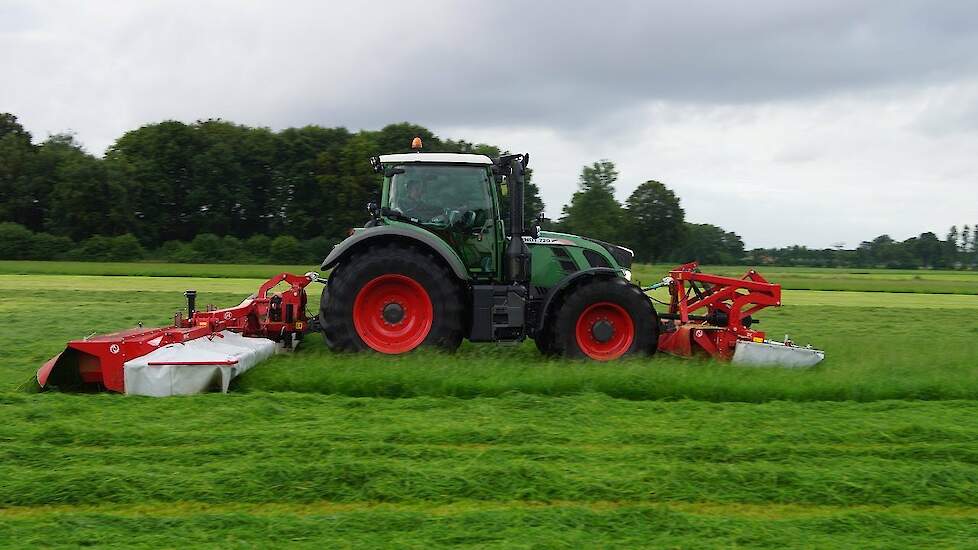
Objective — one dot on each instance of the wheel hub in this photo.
(393, 313)
(602, 331)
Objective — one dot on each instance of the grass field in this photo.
(795, 278)
(497, 446)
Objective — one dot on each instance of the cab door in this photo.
(479, 245)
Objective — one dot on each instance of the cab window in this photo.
(441, 195)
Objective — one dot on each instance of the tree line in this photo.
(652, 221)
(958, 250)
(172, 181)
(218, 191)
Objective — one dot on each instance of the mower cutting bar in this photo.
(230, 340)
(723, 329)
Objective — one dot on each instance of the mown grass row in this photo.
(568, 526)
(301, 469)
(872, 354)
(87, 450)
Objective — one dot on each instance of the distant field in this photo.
(149, 269)
(848, 279)
(496, 445)
(865, 280)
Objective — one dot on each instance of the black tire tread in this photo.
(563, 340)
(336, 305)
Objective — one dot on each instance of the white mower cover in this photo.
(160, 379)
(768, 353)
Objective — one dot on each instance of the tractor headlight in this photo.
(627, 273)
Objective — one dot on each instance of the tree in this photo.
(397, 138)
(155, 163)
(15, 241)
(951, 247)
(973, 247)
(928, 249)
(16, 160)
(10, 127)
(709, 244)
(84, 202)
(593, 210)
(655, 221)
(305, 156)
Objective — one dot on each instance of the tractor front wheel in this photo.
(391, 299)
(604, 320)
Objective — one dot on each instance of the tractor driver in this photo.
(411, 200)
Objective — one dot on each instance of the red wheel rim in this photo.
(605, 331)
(392, 314)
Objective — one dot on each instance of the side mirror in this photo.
(376, 165)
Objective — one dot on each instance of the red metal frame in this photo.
(709, 311)
(99, 360)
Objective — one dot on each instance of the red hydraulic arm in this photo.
(710, 312)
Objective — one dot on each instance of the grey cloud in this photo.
(571, 63)
(678, 91)
(544, 63)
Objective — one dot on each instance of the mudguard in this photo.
(381, 232)
(566, 282)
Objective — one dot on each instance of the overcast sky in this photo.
(786, 122)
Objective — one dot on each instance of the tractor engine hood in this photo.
(622, 256)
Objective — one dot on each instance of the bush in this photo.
(93, 249)
(285, 249)
(316, 248)
(15, 241)
(45, 246)
(125, 248)
(178, 252)
(208, 247)
(258, 246)
(233, 252)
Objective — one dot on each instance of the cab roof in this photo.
(458, 158)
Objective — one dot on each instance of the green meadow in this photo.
(496, 446)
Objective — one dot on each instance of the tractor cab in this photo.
(453, 196)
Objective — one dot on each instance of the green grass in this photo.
(879, 346)
(838, 279)
(517, 469)
(495, 445)
(795, 278)
(148, 269)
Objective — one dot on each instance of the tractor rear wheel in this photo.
(604, 320)
(391, 299)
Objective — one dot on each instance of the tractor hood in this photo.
(620, 256)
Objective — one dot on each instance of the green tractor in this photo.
(437, 262)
